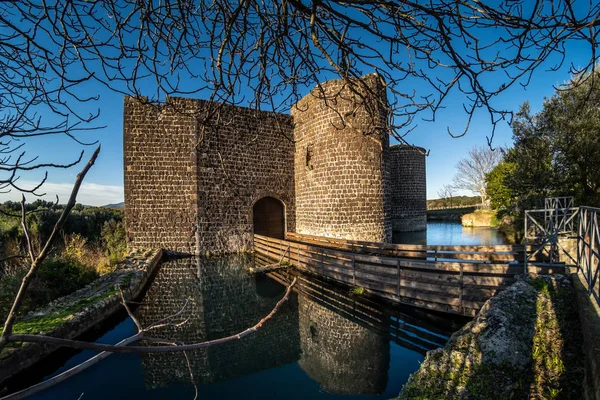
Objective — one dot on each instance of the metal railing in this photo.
(588, 249)
(542, 231)
(544, 228)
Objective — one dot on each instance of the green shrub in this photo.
(62, 276)
(113, 240)
(9, 285)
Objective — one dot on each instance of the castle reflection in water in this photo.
(339, 340)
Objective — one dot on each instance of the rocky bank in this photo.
(524, 344)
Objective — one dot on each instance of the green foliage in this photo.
(113, 240)
(9, 286)
(556, 151)
(571, 121)
(533, 175)
(500, 194)
(357, 290)
(61, 276)
(88, 234)
(84, 227)
(56, 277)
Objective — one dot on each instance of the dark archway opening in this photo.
(269, 218)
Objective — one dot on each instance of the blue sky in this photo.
(104, 183)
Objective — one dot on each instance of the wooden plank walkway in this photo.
(453, 279)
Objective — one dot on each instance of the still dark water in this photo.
(323, 343)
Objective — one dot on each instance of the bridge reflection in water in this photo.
(339, 340)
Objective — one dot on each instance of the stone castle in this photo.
(201, 181)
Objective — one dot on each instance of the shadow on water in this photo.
(322, 343)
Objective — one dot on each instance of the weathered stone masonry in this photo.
(408, 188)
(339, 163)
(192, 176)
(182, 176)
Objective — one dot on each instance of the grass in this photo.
(555, 370)
(357, 290)
(556, 347)
(48, 322)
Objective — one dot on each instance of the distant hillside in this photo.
(457, 201)
(116, 205)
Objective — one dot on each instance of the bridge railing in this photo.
(588, 249)
(542, 230)
(460, 282)
(482, 254)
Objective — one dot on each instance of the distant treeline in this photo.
(453, 202)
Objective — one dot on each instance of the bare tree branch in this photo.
(36, 260)
(77, 344)
(472, 170)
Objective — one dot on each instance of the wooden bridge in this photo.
(453, 279)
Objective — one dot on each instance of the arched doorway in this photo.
(269, 218)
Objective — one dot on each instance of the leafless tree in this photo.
(55, 54)
(446, 193)
(472, 170)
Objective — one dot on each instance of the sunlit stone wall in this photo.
(161, 193)
(194, 169)
(193, 172)
(341, 147)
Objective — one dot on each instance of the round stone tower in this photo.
(408, 188)
(341, 147)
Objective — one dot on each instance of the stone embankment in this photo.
(449, 214)
(73, 315)
(480, 218)
(525, 343)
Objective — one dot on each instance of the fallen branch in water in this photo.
(271, 267)
(68, 373)
(122, 347)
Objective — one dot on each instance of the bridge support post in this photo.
(354, 270)
(462, 309)
(399, 276)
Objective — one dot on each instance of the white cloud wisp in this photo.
(90, 194)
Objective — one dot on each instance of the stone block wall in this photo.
(243, 157)
(194, 169)
(408, 188)
(191, 180)
(341, 147)
(161, 192)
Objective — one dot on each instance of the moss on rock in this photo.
(524, 344)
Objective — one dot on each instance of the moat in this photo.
(323, 343)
